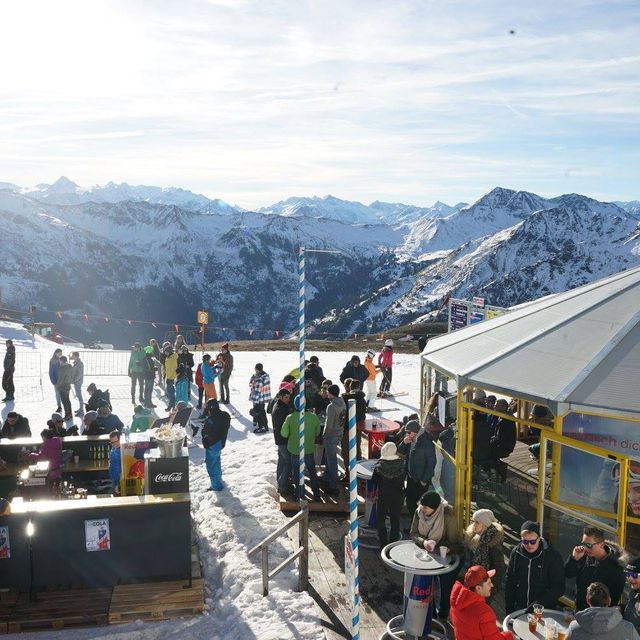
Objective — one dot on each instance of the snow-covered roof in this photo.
(574, 351)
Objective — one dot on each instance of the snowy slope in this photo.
(228, 523)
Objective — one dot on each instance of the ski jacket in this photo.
(135, 363)
(209, 373)
(9, 362)
(311, 432)
(54, 367)
(388, 476)
(336, 418)
(199, 382)
(385, 359)
(170, 366)
(20, 429)
(472, 617)
(609, 570)
(93, 403)
(279, 412)
(65, 377)
(358, 372)
(450, 537)
(534, 577)
(420, 456)
(371, 369)
(260, 388)
(78, 372)
(108, 423)
(361, 404)
(216, 429)
(52, 452)
(603, 623)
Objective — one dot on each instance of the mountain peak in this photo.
(63, 185)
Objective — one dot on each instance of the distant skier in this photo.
(259, 394)
(370, 390)
(385, 362)
(9, 369)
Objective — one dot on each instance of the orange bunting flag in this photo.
(177, 326)
(355, 336)
(86, 317)
(382, 336)
(277, 334)
(59, 314)
(130, 323)
(250, 332)
(153, 324)
(106, 319)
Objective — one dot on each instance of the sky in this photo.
(254, 102)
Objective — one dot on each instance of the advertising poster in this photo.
(97, 535)
(494, 312)
(477, 315)
(5, 545)
(132, 454)
(458, 318)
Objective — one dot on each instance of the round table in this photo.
(376, 430)
(519, 625)
(419, 568)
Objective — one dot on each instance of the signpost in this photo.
(202, 318)
(465, 312)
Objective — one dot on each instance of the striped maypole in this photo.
(301, 492)
(353, 518)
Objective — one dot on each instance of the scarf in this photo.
(432, 527)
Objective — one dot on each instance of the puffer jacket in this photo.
(472, 617)
(534, 577)
(603, 623)
(486, 550)
(609, 570)
(388, 476)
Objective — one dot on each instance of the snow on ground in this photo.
(228, 523)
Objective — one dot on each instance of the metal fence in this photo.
(105, 363)
(27, 377)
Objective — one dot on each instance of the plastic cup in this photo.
(76, 459)
(538, 610)
(444, 551)
(533, 623)
(562, 634)
(550, 630)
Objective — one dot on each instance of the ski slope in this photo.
(227, 523)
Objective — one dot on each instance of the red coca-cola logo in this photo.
(176, 476)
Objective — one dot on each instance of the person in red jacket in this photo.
(471, 616)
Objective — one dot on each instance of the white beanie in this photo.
(484, 516)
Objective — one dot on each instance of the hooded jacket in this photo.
(421, 457)
(472, 617)
(216, 429)
(385, 359)
(389, 477)
(279, 413)
(609, 570)
(336, 417)
(603, 623)
(486, 550)
(533, 577)
(357, 372)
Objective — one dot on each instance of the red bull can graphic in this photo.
(418, 604)
(103, 539)
(371, 505)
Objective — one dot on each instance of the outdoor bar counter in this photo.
(98, 541)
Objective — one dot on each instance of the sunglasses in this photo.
(531, 542)
(589, 545)
(631, 574)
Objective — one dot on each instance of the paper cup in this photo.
(444, 551)
(76, 459)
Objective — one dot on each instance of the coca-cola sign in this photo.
(176, 476)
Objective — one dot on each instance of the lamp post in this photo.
(301, 323)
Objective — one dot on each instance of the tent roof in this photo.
(573, 351)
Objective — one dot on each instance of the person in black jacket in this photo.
(280, 409)
(7, 375)
(214, 439)
(96, 396)
(354, 392)
(354, 369)
(503, 440)
(535, 572)
(594, 560)
(15, 426)
(388, 475)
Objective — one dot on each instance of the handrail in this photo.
(302, 519)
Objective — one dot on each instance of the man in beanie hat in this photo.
(336, 414)
(471, 616)
(535, 572)
(388, 476)
(420, 453)
(631, 611)
(434, 525)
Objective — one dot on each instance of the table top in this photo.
(364, 468)
(521, 625)
(382, 425)
(406, 556)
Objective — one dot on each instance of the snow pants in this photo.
(171, 393)
(387, 374)
(7, 385)
(209, 391)
(214, 468)
(370, 392)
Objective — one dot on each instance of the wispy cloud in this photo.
(251, 101)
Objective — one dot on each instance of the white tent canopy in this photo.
(573, 351)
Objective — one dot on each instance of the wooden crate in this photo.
(58, 610)
(156, 601)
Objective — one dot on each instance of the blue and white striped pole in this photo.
(353, 519)
(301, 491)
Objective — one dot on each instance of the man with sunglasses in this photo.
(535, 572)
(631, 611)
(594, 560)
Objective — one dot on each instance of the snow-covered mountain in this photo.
(64, 192)
(143, 260)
